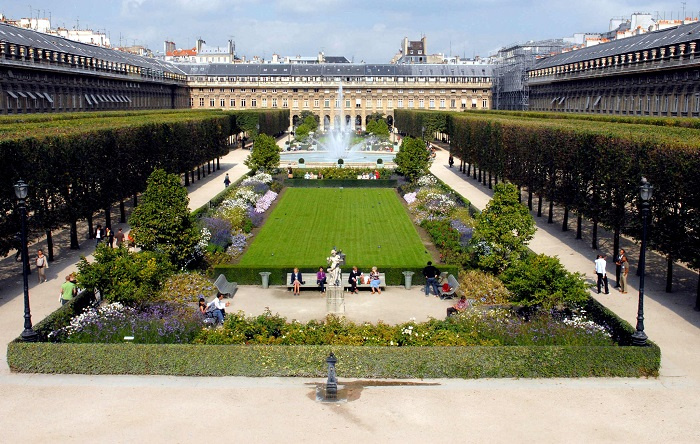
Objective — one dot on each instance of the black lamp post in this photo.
(21, 191)
(639, 338)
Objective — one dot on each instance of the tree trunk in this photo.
(495, 179)
(468, 169)
(122, 212)
(187, 179)
(529, 198)
(616, 242)
(136, 202)
(565, 223)
(218, 163)
(91, 233)
(108, 217)
(550, 220)
(697, 294)
(192, 174)
(208, 167)
(579, 226)
(484, 178)
(490, 179)
(594, 241)
(479, 174)
(199, 175)
(539, 206)
(49, 245)
(669, 274)
(74, 245)
(474, 172)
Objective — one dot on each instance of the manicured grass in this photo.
(369, 225)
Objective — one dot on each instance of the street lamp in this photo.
(21, 191)
(639, 338)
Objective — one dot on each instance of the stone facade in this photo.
(654, 74)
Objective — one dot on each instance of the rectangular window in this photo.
(295, 103)
(201, 101)
(390, 103)
(431, 103)
(368, 103)
(222, 103)
(379, 103)
(306, 104)
(242, 103)
(233, 103)
(316, 103)
(285, 104)
(400, 103)
(211, 102)
(453, 103)
(254, 103)
(421, 103)
(191, 102)
(347, 103)
(274, 103)
(410, 103)
(484, 103)
(264, 103)
(358, 103)
(442, 103)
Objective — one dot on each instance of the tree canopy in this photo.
(413, 159)
(265, 155)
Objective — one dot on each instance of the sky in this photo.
(361, 30)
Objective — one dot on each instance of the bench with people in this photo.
(309, 280)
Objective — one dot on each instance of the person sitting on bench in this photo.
(217, 308)
(296, 281)
(459, 307)
(321, 279)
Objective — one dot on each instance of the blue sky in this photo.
(361, 30)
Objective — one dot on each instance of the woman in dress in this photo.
(374, 280)
(296, 281)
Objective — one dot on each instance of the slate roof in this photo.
(334, 69)
(656, 39)
(28, 37)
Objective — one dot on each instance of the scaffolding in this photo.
(510, 74)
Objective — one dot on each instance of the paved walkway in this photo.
(76, 408)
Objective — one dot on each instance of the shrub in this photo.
(542, 280)
(236, 216)
(219, 229)
(125, 277)
(484, 288)
(265, 155)
(185, 287)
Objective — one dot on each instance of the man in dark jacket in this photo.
(431, 275)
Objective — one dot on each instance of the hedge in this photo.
(336, 183)
(353, 362)
(244, 275)
(63, 315)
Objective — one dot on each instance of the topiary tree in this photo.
(265, 155)
(503, 230)
(162, 222)
(543, 281)
(413, 159)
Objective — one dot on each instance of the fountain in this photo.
(337, 143)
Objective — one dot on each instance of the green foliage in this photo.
(542, 280)
(412, 160)
(265, 155)
(186, 287)
(379, 128)
(503, 230)
(162, 222)
(484, 288)
(339, 173)
(122, 276)
(236, 216)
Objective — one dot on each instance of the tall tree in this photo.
(162, 222)
(413, 159)
(265, 155)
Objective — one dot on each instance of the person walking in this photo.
(99, 234)
(618, 266)
(600, 265)
(119, 237)
(41, 265)
(431, 275)
(451, 161)
(109, 236)
(625, 266)
(227, 181)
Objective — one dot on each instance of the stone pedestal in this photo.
(335, 299)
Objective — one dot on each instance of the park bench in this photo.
(309, 280)
(454, 285)
(225, 287)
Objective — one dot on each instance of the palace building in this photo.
(47, 73)
(652, 74)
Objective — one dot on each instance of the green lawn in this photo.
(369, 225)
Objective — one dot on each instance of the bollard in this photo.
(332, 383)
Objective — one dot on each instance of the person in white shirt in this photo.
(217, 308)
(600, 271)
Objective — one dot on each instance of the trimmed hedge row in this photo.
(336, 183)
(244, 275)
(353, 362)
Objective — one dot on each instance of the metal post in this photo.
(639, 338)
(332, 383)
(28, 335)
